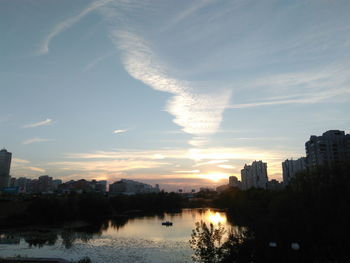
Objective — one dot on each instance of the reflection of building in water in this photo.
(130, 187)
(8, 239)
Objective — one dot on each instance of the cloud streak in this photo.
(64, 25)
(35, 169)
(38, 124)
(136, 162)
(119, 131)
(36, 140)
(18, 161)
(304, 99)
(108, 165)
(96, 61)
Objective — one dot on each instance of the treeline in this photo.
(88, 206)
(312, 211)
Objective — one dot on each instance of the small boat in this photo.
(167, 223)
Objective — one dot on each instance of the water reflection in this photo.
(216, 217)
(136, 225)
(9, 239)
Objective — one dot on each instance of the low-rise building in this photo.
(234, 182)
(274, 185)
(130, 187)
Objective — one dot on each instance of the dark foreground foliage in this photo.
(51, 209)
(312, 211)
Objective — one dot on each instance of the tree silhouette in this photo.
(207, 243)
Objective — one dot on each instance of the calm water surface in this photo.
(138, 239)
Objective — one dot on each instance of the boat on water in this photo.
(167, 223)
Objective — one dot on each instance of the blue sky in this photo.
(183, 93)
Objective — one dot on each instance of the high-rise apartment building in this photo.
(291, 167)
(254, 175)
(332, 147)
(5, 165)
(246, 178)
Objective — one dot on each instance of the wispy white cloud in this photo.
(187, 172)
(158, 156)
(187, 12)
(18, 161)
(36, 169)
(217, 161)
(234, 153)
(226, 166)
(120, 131)
(4, 118)
(307, 98)
(96, 61)
(162, 162)
(22, 167)
(36, 140)
(108, 165)
(199, 114)
(38, 124)
(210, 162)
(129, 154)
(64, 25)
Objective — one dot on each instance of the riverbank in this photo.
(60, 209)
(33, 260)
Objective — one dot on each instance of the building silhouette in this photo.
(291, 167)
(82, 186)
(274, 185)
(332, 147)
(5, 165)
(234, 182)
(45, 184)
(130, 187)
(254, 175)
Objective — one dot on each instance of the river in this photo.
(139, 238)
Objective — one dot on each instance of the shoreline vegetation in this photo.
(308, 221)
(88, 207)
(20, 259)
(310, 212)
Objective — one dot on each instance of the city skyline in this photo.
(169, 94)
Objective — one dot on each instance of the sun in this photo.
(215, 177)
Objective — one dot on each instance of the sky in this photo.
(180, 93)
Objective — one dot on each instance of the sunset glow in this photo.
(174, 131)
(216, 217)
(215, 177)
(180, 102)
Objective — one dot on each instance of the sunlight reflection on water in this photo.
(141, 239)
